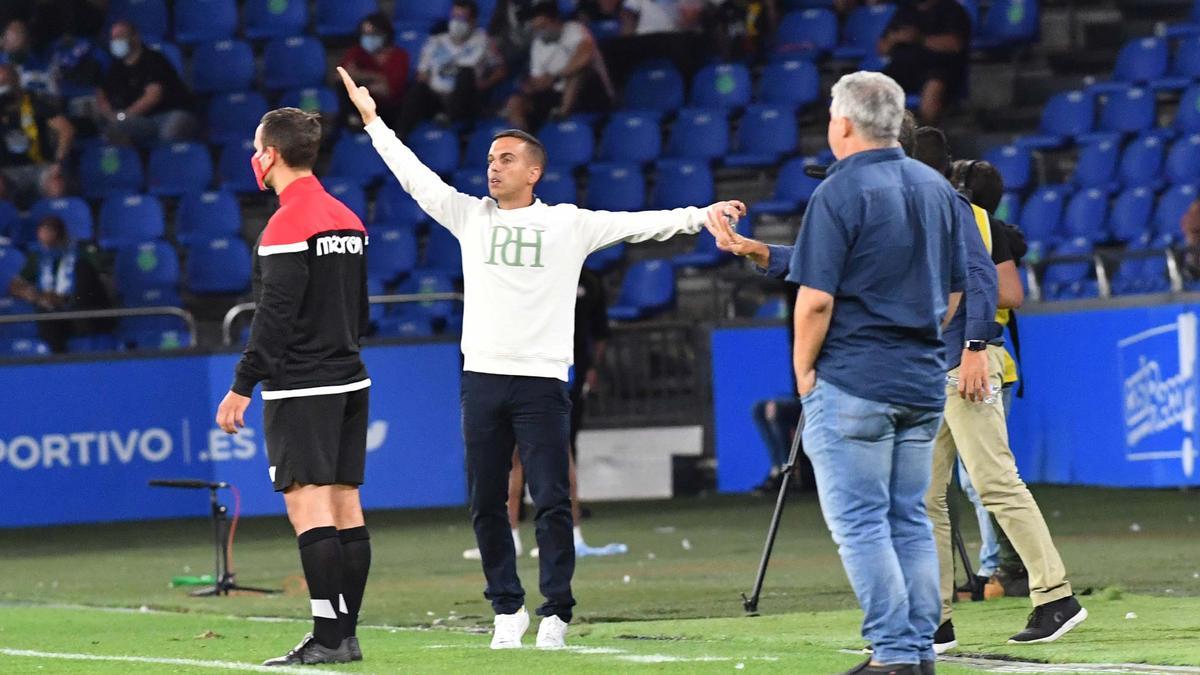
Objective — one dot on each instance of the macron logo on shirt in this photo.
(337, 244)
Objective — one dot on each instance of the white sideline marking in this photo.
(216, 665)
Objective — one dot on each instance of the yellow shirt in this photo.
(984, 223)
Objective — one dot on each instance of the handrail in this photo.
(118, 313)
(387, 299)
(1101, 276)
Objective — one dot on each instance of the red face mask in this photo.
(260, 173)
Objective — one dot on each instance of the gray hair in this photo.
(873, 102)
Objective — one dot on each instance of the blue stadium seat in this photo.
(199, 21)
(293, 63)
(312, 99)
(153, 297)
(1142, 162)
(391, 253)
(1186, 63)
(792, 190)
(350, 193)
(1142, 60)
(1129, 110)
(92, 344)
(790, 82)
(606, 259)
(862, 31)
(234, 167)
(109, 169)
(1009, 209)
(74, 212)
(701, 133)
(375, 311)
(1183, 161)
(218, 266)
(1187, 117)
(682, 182)
(442, 253)
(12, 261)
(1172, 204)
(206, 215)
(470, 181)
(148, 16)
(1139, 274)
(569, 143)
(131, 219)
(766, 133)
(12, 230)
(425, 11)
(24, 347)
(233, 116)
(339, 18)
(1067, 115)
(354, 157)
(1097, 165)
(704, 254)
(1068, 280)
(1041, 214)
(147, 266)
(557, 186)
(655, 86)
(428, 281)
(725, 86)
(10, 306)
(152, 339)
(269, 19)
(394, 206)
(404, 323)
(773, 307)
(648, 288)
(630, 137)
(1130, 217)
(1086, 216)
(1013, 162)
(435, 146)
(1007, 23)
(809, 33)
(411, 38)
(479, 142)
(172, 54)
(615, 186)
(972, 9)
(222, 66)
(176, 169)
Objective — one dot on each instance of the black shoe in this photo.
(1051, 621)
(351, 645)
(885, 669)
(309, 652)
(927, 668)
(943, 639)
(971, 590)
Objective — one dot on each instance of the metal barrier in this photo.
(188, 320)
(653, 375)
(239, 309)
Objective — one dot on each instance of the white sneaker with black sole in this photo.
(508, 629)
(552, 634)
(1051, 621)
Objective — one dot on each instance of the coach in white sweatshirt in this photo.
(521, 263)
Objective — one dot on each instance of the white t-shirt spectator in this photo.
(654, 16)
(551, 58)
(441, 57)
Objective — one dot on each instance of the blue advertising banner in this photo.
(1110, 398)
(80, 441)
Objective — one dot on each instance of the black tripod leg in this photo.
(751, 604)
(960, 545)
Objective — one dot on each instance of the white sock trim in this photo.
(322, 609)
(342, 604)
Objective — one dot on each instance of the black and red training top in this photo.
(310, 287)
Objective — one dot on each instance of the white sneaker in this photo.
(509, 628)
(552, 634)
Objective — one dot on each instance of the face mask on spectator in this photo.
(458, 29)
(371, 43)
(119, 48)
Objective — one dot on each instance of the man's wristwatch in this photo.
(976, 345)
(121, 116)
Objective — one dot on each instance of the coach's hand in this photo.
(973, 376)
(231, 415)
(360, 97)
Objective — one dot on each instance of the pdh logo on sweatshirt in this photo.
(509, 245)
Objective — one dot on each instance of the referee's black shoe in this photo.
(351, 643)
(867, 668)
(310, 652)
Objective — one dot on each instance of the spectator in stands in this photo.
(511, 32)
(141, 99)
(566, 71)
(76, 70)
(379, 64)
(654, 29)
(456, 72)
(927, 43)
(36, 140)
(1190, 224)
(62, 275)
(19, 51)
(740, 27)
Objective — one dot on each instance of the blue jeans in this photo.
(873, 462)
(989, 547)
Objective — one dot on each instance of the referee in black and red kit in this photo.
(310, 286)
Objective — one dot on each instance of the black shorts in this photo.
(317, 440)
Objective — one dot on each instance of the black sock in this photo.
(356, 562)
(321, 556)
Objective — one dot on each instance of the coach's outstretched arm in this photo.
(605, 228)
(442, 202)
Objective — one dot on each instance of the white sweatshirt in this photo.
(521, 266)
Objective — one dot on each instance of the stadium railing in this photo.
(121, 313)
